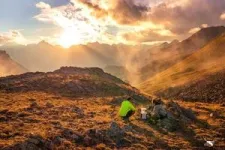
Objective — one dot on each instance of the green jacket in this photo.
(126, 106)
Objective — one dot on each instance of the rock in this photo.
(189, 114)
(57, 140)
(88, 141)
(127, 128)
(116, 133)
(4, 111)
(3, 118)
(79, 111)
(34, 141)
(170, 124)
(115, 130)
(29, 146)
(158, 111)
(49, 105)
(34, 104)
(157, 101)
(72, 135)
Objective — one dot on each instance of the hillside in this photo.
(76, 108)
(68, 81)
(164, 56)
(8, 66)
(209, 89)
(208, 60)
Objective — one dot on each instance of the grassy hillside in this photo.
(205, 61)
(166, 55)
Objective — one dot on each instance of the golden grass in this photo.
(98, 114)
(203, 62)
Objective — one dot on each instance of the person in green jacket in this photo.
(126, 109)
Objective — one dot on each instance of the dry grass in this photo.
(98, 113)
(205, 61)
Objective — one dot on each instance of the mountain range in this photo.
(153, 68)
(203, 62)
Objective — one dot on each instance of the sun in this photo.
(70, 36)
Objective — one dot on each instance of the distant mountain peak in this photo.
(44, 43)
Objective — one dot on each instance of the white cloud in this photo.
(43, 5)
(194, 30)
(222, 16)
(14, 36)
(77, 20)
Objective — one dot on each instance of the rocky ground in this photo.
(208, 89)
(38, 120)
(38, 111)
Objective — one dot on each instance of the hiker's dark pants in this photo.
(129, 114)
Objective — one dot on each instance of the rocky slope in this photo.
(8, 66)
(206, 61)
(76, 108)
(68, 81)
(164, 56)
(208, 89)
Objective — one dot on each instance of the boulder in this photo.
(158, 111)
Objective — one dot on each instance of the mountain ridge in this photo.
(205, 61)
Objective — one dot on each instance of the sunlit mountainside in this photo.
(206, 61)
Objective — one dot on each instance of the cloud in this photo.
(14, 36)
(43, 5)
(222, 16)
(180, 16)
(78, 20)
(122, 11)
(149, 36)
(194, 30)
(3, 39)
(115, 21)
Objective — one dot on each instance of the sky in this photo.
(70, 22)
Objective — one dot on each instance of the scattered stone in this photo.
(189, 113)
(34, 104)
(57, 140)
(32, 100)
(3, 119)
(4, 111)
(72, 135)
(115, 130)
(88, 141)
(49, 105)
